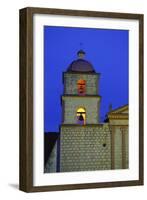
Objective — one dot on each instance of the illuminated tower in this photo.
(81, 100)
(81, 134)
(85, 143)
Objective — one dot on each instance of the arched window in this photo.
(81, 86)
(81, 116)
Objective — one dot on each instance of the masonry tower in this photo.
(82, 136)
(81, 100)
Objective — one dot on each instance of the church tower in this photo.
(81, 100)
(84, 142)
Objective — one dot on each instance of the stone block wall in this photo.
(118, 148)
(85, 148)
(127, 149)
(121, 148)
(70, 83)
(71, 104)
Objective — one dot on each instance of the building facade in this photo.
(85, 143)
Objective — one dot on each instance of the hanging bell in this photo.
(81, 117)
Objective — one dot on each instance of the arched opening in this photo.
(81, 116)
(81, 86)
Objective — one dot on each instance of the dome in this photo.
(80, 65)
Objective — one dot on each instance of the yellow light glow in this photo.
(83, 111)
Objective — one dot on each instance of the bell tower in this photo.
(81, 99)
(81, 134)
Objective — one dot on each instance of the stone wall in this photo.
(88, 148)
(71, 104)
(84, 148)
(70, 83)
(127, 149)
(118, 148)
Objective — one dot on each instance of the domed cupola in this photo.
(80, 65)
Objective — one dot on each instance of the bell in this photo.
(81, 117)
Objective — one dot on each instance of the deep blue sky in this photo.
(106, 49)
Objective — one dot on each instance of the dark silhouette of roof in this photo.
(80, 65)
(49, 142)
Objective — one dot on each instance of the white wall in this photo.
(9, 58)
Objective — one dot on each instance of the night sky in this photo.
(106, 49)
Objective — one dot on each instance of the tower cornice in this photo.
(92, 73)
(77, 96)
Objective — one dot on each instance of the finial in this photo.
(81, 54)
